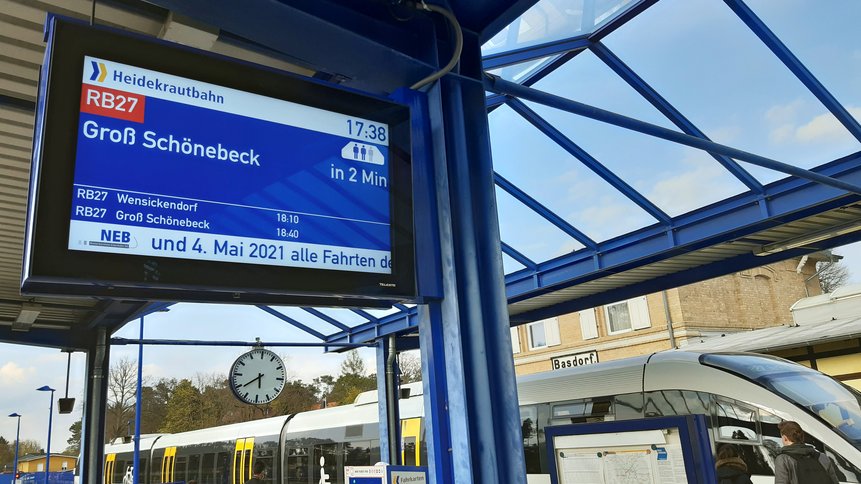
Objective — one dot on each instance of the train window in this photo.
(357, 453)
(592, 410)
(529, 429)
(157, 463)
(267, 461)
(179, 474)
(118, 471)
(222, 464)
(207, 475)
(193, 472)
(736, 422)
(296, 467)
(329, 452)
(375, 451)
(628, 406)
(409, 451)
(676, 402)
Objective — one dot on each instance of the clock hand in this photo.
(258, 379)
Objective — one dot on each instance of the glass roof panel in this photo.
(721, 77)
(832, 52)
(344, 316)
(510, 265)
(551, 20)
(586, 79)
(520, 72)
(675, 178)
(300, 315)
(530, 234)
(541, 168)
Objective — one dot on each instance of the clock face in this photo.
(257, 377)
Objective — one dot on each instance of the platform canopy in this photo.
(637, 145)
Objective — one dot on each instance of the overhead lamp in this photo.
(27, 316)
(808, 239)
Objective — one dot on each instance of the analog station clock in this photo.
(257, 377)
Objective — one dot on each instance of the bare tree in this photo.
(353, 364)
(122, 386)
(832, 275)
(411, 367)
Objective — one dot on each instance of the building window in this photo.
(588, 324)
(543, 334)
(515, 340)
(627, 315)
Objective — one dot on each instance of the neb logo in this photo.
(99, 71)
(116, 236)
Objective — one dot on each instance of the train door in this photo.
(242, 460)
(410, 438)
(110, 461)
(168, 464)
(332, 464)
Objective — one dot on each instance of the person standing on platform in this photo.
(258, 473)
(799, 463)
(731, 469)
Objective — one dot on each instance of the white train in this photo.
(744, 396)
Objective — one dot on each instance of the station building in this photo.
(749, 300)
(36, 463)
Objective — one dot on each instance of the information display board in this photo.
(665, 450)
(160, 171)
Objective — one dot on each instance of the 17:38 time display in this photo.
(366, 130)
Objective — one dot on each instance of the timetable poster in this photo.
(172, 167)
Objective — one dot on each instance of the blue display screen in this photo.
(173, 167)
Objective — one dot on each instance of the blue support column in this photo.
(93, 423)
(387, 432)
(471, 407)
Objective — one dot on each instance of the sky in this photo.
(695, 53)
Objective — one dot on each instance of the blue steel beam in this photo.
(623, 18)
(543, 211)
(514, 254)
(732, 219)
(701, 273)
(370, 317)
(274, 344)
(289, 320)
(493, 101)
(789, 199)
(795, 65)
(668, 110)
(501, 86)
(328, 319)
(524, 54)
(590, 162)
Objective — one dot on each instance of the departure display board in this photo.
(163, 172)
(171, 167)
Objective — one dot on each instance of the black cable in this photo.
(93, 14)
(458, 46)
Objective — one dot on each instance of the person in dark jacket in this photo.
(786, 463)
(259, 473)
(731, 469)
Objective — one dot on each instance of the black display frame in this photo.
(50, 268)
